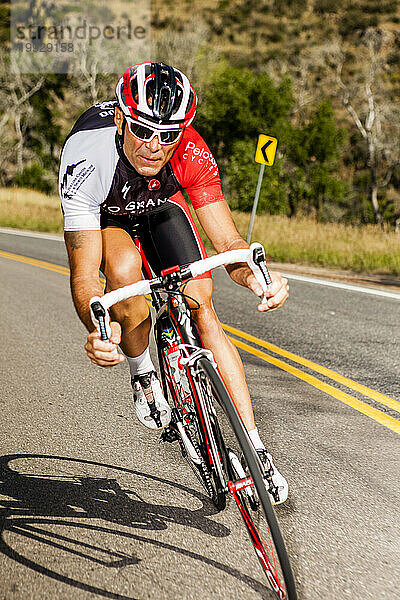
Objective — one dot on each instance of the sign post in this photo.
(265, 155)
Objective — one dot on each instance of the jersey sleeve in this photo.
(84, 179)
(197, 170)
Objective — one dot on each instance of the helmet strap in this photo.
(121, 138)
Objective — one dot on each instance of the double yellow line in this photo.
(362, 407)
(35, 263)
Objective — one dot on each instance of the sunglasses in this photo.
(146, 134)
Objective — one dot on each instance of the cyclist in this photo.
(124, 166)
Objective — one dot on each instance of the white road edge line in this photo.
(344, 286)
(44, 236)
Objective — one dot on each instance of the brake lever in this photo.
(100, 318)
(259, 267)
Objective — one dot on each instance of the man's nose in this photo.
(154, 144)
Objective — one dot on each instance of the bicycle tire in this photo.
(272, 554)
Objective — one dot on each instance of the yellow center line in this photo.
(358, 387)
(358, 405)
(36, 263)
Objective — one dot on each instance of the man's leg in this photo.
(122, 266)
(232, 371)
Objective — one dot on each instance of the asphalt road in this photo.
(92, 505)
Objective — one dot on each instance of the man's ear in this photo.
(118, 119)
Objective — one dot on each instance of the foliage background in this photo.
(321, 75)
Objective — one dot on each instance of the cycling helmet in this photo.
(157, 95)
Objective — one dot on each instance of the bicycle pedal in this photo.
(169, 434)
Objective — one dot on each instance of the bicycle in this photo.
(191, 380)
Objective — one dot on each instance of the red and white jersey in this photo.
(95, 174)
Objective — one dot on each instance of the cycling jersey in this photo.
(96, 177)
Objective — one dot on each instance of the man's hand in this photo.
(105, 354)
(277, 294)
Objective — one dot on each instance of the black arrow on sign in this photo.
(263, 150)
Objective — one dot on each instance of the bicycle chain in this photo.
(205, 475)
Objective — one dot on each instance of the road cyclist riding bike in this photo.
(205, 422)
(124, 167)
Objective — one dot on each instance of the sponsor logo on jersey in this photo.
(154, 184)
(69, 187)
(107, 108)
(125, 190)
(139, 206)
(106, 104)
(201, 156)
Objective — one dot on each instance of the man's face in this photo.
(148, 158)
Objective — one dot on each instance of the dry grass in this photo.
(361, 249)
(365, 249)
(27, 209)
(303, 241)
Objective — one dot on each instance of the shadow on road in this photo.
(37, 503)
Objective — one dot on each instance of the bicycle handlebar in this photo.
(253, 256)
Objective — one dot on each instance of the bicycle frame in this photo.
(176, 330)
(174, 311)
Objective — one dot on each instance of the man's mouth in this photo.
(148, 159)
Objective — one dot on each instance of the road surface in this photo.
(92, 505)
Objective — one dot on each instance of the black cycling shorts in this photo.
(167, 235)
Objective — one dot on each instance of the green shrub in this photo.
(241, 182)
(356, 20)
(328, 6)
(34, 177)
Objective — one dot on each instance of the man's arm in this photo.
(84, 252)
(217, 222)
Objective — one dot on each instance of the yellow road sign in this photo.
(266, 149)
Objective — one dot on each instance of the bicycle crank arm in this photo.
(244, 481)
(236, 486)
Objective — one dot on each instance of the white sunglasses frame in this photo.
(156, 132)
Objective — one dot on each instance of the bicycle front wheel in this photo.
(248, 487)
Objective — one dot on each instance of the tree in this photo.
(368, 99)
(238, 104)
(313, 154)
(16, 109)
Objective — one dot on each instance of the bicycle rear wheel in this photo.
(197, 428)
(247, 486)
(213, 448)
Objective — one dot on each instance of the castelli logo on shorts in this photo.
(154, 184)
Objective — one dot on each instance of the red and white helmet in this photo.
(157, 95)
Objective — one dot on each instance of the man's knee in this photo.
(199, 294)
(122, 269)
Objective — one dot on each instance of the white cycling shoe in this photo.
(276, 484)
(151, 407)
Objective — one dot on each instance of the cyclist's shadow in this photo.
(36, 500)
